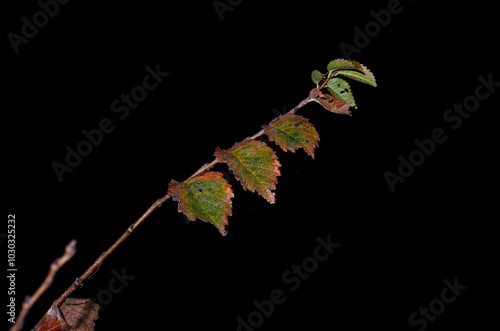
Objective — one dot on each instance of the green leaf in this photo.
(291, 132)
(341, 90)
(316, 76)
(254, 165)
(206, 197)
(366, 77)
(340, 64)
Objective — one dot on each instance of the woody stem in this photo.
(110, 250)
(330, 76)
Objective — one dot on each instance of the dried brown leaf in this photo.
(52, 321)
(80, 313)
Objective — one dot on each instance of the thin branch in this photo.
(110, 250)
(70, 248)
(301, 104)
(204, 168)
(330, 76)
(92, 269)
(54, 268)
(208, 166)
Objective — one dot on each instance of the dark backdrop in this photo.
(398, 248)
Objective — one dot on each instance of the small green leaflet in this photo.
(316, 76)
(206, 196)
(254, 164)
(341, 90)
(292, 131)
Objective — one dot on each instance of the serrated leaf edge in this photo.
(269, 193)
(366, 77)
(343, 64)
(310, 152)
(227, 195)
(334, 93)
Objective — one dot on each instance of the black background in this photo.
(226, 79)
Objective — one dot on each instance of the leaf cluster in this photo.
(206, 195)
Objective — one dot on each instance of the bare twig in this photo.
(205, 167)
(110, 250)
(54, 268)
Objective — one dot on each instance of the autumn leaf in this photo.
(52, 321)
(291, 132)
(80, 313)
(74, 315)
(330, 103)
(254, 164)
(206, 197)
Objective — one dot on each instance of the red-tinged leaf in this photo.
(52, 321)
(254, 164)
(292, 131)
(330, 103)
(206, 197)
(74, 315)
